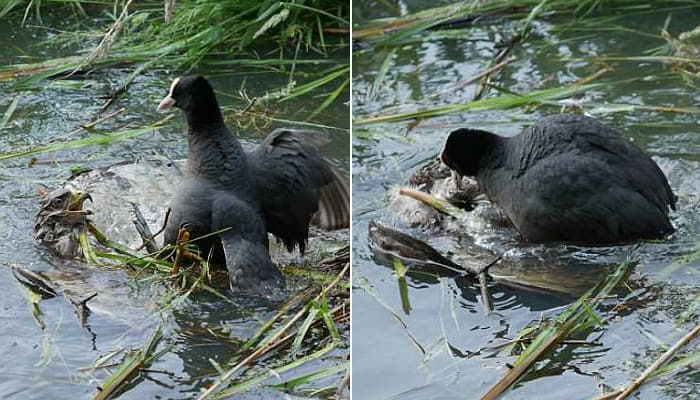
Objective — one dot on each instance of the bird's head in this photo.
(189, 93)
(60, 215)
(465, 148)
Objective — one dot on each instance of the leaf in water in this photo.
(301, 334)
(314, 376)
(8, 113)
(435, 349)
(132, 363)
(258, 379)
(682, 261)
(307, 87)
(45, 351)
(381, 74)
(217, 366)
(363, 283)
(690, 311)
(551, 334)
(400, 271)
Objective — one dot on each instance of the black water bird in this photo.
(278, 187)
(567, 178)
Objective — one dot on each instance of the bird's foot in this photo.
(182, 253)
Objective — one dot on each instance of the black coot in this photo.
(278, 187)
(567, 178)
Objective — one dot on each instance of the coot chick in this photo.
(567, 178)
(277, 187)
(60, 217)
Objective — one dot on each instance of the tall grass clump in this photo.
(286, 37)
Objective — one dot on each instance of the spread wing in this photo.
(296, 185)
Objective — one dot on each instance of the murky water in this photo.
(423, 351)
(53, 363)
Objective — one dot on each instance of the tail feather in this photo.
(334, 202)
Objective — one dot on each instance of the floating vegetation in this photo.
(297, 38)
(469, 13)
(312, 327)
(133, 362)
(579, 317)
(474, 64)
(303, 45)
(680, 53)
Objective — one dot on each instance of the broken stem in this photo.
(659, 362)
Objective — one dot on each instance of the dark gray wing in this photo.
(579, 134)
(295, 184)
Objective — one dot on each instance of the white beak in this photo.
(165, 104)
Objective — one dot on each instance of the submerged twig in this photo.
(485, 298)
(344, 383)
(81, 307)
(165, 222)
(143, 230)
(483, 274)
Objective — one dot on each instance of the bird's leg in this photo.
(181, 252)
(182, 237)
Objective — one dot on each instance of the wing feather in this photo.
(297, 185)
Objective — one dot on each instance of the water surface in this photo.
(427, 352)
(54, 362)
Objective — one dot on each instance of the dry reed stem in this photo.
(169, 10)
(659, 362)
(272, 343)
(107, 40)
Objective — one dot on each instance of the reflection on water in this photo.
(433, 350)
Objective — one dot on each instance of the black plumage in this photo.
(567, 178)
(293, 181)
(277, 187)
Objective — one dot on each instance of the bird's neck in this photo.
(491, 162)
(216, 154)
(205, 116)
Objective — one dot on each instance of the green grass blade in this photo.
(256, 380)
(331, 98)
(8, 113)
(493, 103)
(381, 74)
(88, 141)
(304, 328)
(292, 384)
(307, 87)
(564, 324)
